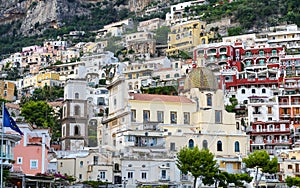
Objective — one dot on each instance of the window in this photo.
(176, 75)
(176, 65)
(191, 144)
(76, 95)
(163, 174)
(186, 116)
(81, 164)
(218, 116)
(243, 91)
(19, 160)
(133, 115)
(168, 76)
(102, 175)
(173, 117)
(146, 115)
(269, 110)
(209, 99)
(144, 175)
(290, 166)
(80, 177)
(76, 130)
(129, 175)
(204, 144)
(263, 90)
(96, 159)
(172, 146)
(117, 167)
(33, 164)
(219, 146)
(236, 146)
(160, 116)
(253, 91)
(77, 110)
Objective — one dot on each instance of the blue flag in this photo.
(10, 122)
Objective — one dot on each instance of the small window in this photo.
(219, 146)
(204, 144)
(130, 175)
(160, 116)
(209, 99)
(76, 95)
(133, 115)
(237, 146)
(243, 91)
(33, 164)
(144, 175)
(146, 115)
(218, 116)
(81, 164)
(173, 116)
(263, 90)
(102, 175)
(253, 91)
(19, 160)
(172, 146)
(191, 143)
(186, 116)
(77, 110)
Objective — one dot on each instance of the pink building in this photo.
(31, 153)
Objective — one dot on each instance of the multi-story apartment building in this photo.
(7, 90)
(176, 14)
(150, 25)
(186, 36)
(142, 43)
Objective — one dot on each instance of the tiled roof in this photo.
(54, 104)
(163, 98)
(13, 106)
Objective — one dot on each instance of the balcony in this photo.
(268, 131)
(164, 178)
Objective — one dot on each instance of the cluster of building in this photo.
(114, 131)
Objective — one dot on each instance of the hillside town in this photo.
(124, 115)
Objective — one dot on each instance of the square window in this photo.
(33, 164)
(102, 175)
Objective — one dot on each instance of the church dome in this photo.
(202, 78)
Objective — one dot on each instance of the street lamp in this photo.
(124, 182)
(98, 179)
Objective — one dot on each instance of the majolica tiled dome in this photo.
(202, 78)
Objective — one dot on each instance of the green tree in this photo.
(260, 160)
(42, 115)
(292, 181)
(47, 93)
(200, 163)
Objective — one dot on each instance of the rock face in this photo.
(38, 15)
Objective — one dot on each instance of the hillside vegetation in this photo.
(252, 15)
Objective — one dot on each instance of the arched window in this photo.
(236, 146)
(76, 95)
(76, 130)
(191, 144)
(204, 144)
(81, 164)
(77, 110)
(219, 146)
(263, 90)
(253, 90)
(243, 91)
(209, 99)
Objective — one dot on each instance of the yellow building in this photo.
(187, 35)
(42, 79)
(7, 89)
(289, 163)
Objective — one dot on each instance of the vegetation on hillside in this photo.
(250, 14)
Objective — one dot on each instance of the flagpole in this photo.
(1, 181)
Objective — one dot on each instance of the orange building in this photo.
(7, 90)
